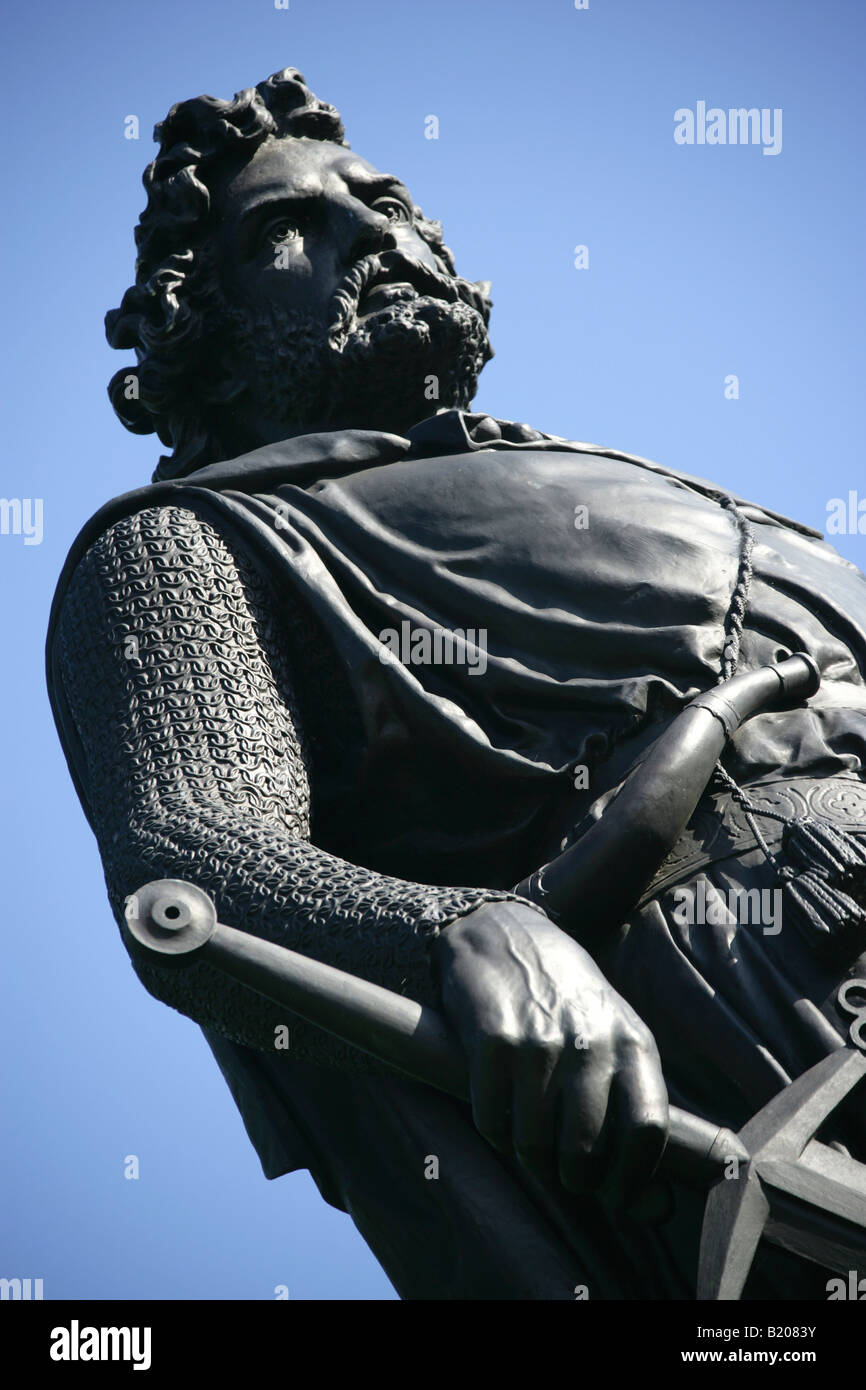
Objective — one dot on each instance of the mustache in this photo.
(391, 266)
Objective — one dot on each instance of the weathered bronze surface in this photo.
(359, 661)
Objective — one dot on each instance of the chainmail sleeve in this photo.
(174, 669)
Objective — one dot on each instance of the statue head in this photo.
(284, 285)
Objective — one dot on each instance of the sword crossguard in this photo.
(789, 1171)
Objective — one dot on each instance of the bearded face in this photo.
(335, 311)
(402, 341)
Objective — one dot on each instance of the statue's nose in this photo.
(367, 232)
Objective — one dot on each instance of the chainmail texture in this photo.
(175, 668)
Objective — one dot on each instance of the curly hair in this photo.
(170, 314)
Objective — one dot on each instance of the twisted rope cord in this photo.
(734, 622)
(783, 871)
(730, 660)
(739, 599)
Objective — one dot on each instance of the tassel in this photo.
(825, 886)
(817, 845)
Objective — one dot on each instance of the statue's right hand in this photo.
(563, 1073)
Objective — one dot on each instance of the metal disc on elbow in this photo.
(169, 919)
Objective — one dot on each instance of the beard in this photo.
(382, 370)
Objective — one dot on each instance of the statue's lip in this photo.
(385, 284)
(391, 283)
(386, 292)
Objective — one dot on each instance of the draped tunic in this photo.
(594, 590)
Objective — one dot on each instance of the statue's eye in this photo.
(393, 209)
(283, 229)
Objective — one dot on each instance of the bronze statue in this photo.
(356, 645)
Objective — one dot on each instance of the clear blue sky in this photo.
(555, 129)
